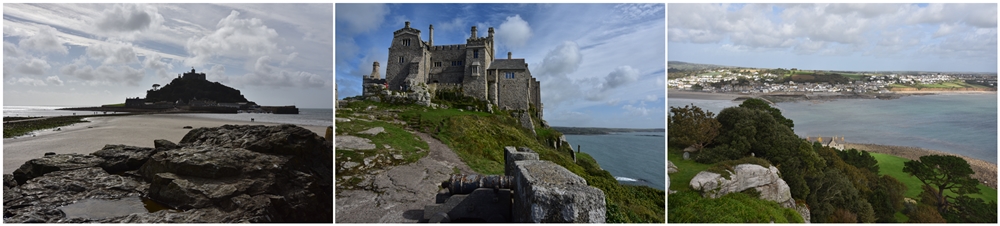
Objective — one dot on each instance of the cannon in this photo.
(473, 198)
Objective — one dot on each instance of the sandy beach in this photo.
(985, 172)
(85, 138)
(702, 95)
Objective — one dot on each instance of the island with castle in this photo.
(417, 70)
(191, 92)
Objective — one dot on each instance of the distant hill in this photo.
(594, 130)
(187, 89)
(685, 66)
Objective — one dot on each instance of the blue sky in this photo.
(93, 54)
(599, 65)
(861, 37)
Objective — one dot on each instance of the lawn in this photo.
(687, 169)
(893, 166)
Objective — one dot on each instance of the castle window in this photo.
(437, 64)
(475, 69)
(406, 42)
(475, 53)
(508, 75)
(400, 59)
(456, 63)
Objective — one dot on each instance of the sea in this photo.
(306, 116)
(632, 158)
(964, 124)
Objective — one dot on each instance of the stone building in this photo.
(471, 67)
(193, 75)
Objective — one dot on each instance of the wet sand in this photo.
(702, 95)
(985, 172)
(88, 137)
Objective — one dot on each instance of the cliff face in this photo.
(186, 89)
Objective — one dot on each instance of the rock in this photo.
(348, 165)
(671, 168)
(687, 155)
(61, 162)
(369, 160)
(49, 153)
(162, 144)
(373, 131)
(397, 157)
(550, 193)
(353, 143)
(743, 177)
(188, 127)
(343, 120)
(227, 174)
(119, 158)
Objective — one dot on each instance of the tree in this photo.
(887, 198)
(156, 86)
(971, 210)
(690, 126)
(941, 173)
(760, 104)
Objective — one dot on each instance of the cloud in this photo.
(113, 53)
(218, 74)
(289, 58)
(10, 50)
(622, 75)
(51, 80)
(635, 110)
(34, 66)
(104, 75)
(234, 37)
(46, 40)
(54, 80)
(360, 18)
(563, 59)
(264, 74)
(129, 18)
(514, 32)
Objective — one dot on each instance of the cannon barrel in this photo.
(465, 184)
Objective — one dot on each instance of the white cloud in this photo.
(218, 74)
(289, 58)
(514, 32)
(54, 80)
(113, 53)
(361, 18)
(563, 59)
(10, 50)
(636, 110)
(34, 66)
(651, 98)
(621, 76)
(264, 74)
(233, 37)
(45, 40)
(104, 75)
(129, 18)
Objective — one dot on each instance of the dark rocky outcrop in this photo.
(223, 175)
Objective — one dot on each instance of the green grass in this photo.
(690, 207)
(686, 169)
(14, 129)
(893, 166)
(114, 105)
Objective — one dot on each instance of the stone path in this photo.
(401, 192)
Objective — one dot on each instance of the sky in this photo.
(599, 65)
(94, 54)
(851, 37)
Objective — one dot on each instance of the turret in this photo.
(508, 55)
(490, 32)
(407, 24)
(375, 74)
(473, 32)
(430, 40)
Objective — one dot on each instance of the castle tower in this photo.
(490, 31)
(406, 48)
(474, 32)
(430, 36)
(375, 74)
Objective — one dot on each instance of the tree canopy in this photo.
(941, 173)
(690, 126)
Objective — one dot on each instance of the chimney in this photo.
(407, 24)
(490, 32)
(430, 41)
(508, 55)
(473, 32)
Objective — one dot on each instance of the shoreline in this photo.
(818, 96)
(89, 137)
(985, 172)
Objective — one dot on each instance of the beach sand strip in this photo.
(985, 172)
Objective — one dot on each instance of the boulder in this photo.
(164, 144)
(119, 158)
(51, 163)
(345, 142)
(373, 131)
(227, 174)
(743, 177)
(671, 168)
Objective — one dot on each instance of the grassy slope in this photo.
(478, 138)
(687, 206)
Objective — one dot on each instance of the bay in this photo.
(633, 158)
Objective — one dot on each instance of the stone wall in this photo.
(513, 93)
(547, 192)
(395, 71)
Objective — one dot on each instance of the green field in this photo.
(942, 85)
(893, 166)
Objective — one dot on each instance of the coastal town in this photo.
(772, 81)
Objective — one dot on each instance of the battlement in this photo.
(448, 47)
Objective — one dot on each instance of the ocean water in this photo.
(41, 111)
(633, 158)
(964, 124)
(306, 116)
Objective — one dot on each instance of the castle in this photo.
(471, 67)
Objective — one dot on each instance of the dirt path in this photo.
(401, 192)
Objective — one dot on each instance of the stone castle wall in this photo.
(513, 93)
